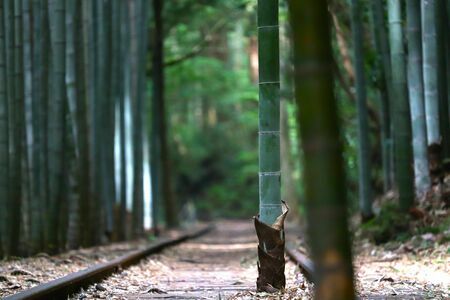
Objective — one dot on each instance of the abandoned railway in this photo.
(210, 262)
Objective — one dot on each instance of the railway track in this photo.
(302, 261)
(204, 268)
(62, 287)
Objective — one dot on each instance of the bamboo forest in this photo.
(225, 149)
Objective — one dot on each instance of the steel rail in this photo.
(305, 264)
(65, 286)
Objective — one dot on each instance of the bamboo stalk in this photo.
(83, 129)
(384, 81)
(364, 166)
(17, 125)
(56, 121)
(403, 155)
(430, 70)
(443, 76)
(416, 97)
(159, 109)
(269, 111)
(4, 138)
(325, 188)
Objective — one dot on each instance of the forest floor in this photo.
(18, 274)
(414, 262)
(417, 269)
(219, 265)
(222, 265)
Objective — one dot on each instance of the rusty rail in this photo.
(62, 287)
(305, 264)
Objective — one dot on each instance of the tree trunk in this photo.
(384, 81)
(137, 111)
(325, 188)
(81, 119)
(170, 207)
(74, 235)
(364, 167)
(37, 200)
(269, 111)
(416, 97)
(269, 222)
(402, 124)
(107, 113)
(17, 125)
(56, 120)
(430, 71)
(125, 60)
(4, 138)
(29, 130)
(8, 13)
(443, 76)
(91, 75)
(155, 141)
(44, 179)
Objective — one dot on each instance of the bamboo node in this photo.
(274, 132)
(270, 173)
(269, 82)
(268, 26)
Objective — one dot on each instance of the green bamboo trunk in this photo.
(100, 116)
(416, 97)
(33, 124)
(170, 207)
(37, 200)
(364, 166)
(68, 189)
(403, 155)
(91, 75)
(106, 112)
(29, 179)
(89, 203)
(443, 76)
(8, 13)
(143, 32)
(269, 112)
(430, 70)
(84, 185)
(125, 61)
(155, 149)
(269, 223)
(96, 121)
(447, 37)
(4, 138)
(111, 116)
(43, 46)
(17, 119)
(155, 138)
(384, 81)
(137, 112)
(73, 234)
(325, 185)
(116, 90)
(56, 132)
(70, 69)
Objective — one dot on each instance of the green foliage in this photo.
(214, 121)
(390, 223)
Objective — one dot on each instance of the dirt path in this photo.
(220, 265)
